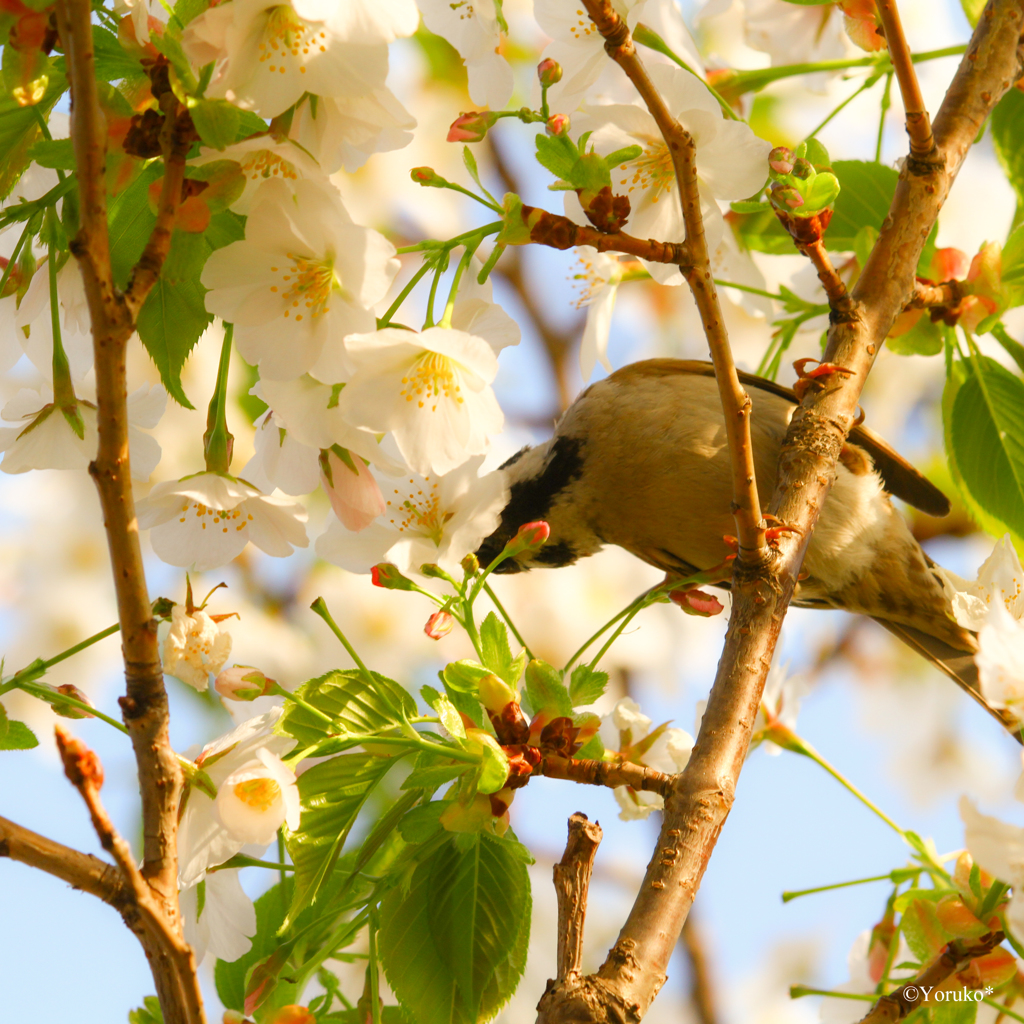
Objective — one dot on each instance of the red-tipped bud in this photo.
(471, 126)
(696, 602)
(69, 710)
(242, 682)
(780, 160)
(427, 176)
(549, 71)
(558, 124)
(529, 537)
(439, 624)
(387, 576)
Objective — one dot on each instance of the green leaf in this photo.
(925, 935)
(1013, 268)
(586, 685)
(332, 794)
(174, 315)
(55, 153)
(972, 10)
(250, 124)
(454, 945)
(422, 822)
(546, 690)
(131, 223)
(497, 654)
(557, 153)
(464, 676)
(186, 10)
(217, 122)
(356, 707)
(470, 161)
(493, 770)
(432, 776)
(987, 441)
(113, 62)
(949, 1012)
(18, 736)
(148, 1013)
(170, 47)
(1007, 123)
(1011, 346)
(19, 131)
(923, 339)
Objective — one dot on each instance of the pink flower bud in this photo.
(530, 535)
(352, 490)
(549, 71)
(425, 176)
(558, 124)
(780, 160)
(388, 577)
(696, 602)
(471, 126)
(292, 1014)
(69, 710)
(948, 265)
(242, 682)
(439, 624)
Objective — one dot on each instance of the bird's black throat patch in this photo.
(530, 500)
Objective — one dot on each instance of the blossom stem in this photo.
(373, 967)
(218, 440)
(319, 606)
(63, 390)
(799, 991)
(48, 695)
(467, 256)
(240, 860)
(282, 870)
(867, 84)
(429, 319)
(13, 261)
(793, 894)
(279, 691)
(428, 243)
(385, 320)
(884, 109)
(37, 668)
(45, 129)
(1004, 1011)
(493, 207)
(508, 619)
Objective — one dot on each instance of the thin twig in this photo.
(80, 870)
(922, 142)
(736, 404)
(934, 296)
(702, 997)
(835, 288)
(607, 773)
(907, 998)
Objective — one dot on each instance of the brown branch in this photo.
(170, 957)
(607, 773)
(701, 990)
(947, 295)
(922, 142)
(572, 883)
(79, 870)
(907, 998)
(695, 813)
(736, 403)
(835, 289)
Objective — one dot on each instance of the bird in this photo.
(640, 460)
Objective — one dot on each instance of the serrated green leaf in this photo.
(54, 153)
(495, 649)
(964, 1011)
(356, 707)
(419, 824)
(557, 154)
(457, 938)
(546, 690)
(113, 62)
(1007, 123)
(170, 47)
(586, 685)
(186, 10)
(493, 770)
(18, 737)
(432, 777)
(250, 124)
(450, 718)
(464, 676)
(987, 441)
(217, 122)
(1011, 346)
(923, 339)
(131, 223)
(19, 131)
(332, 794)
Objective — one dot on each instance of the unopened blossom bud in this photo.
(780, 160)
(802, 168)
(439, 624)
(242, 682)
(557, 124)
(470, 564)
(472, 126)
(549, 71)
(432, 571)
(427, 176)
(696, 602)
(351, 488)
(529, 537)
(292, 1015)
(387, 576)
(66, 710)
(785, 196)
(495, 693)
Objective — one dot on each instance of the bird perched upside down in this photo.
(641, 460)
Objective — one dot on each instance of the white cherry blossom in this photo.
(997, 848)
(430, 389)
(345, 130)
(426, 520)
(476, 312)
(204, 841)
(304, 277)
(195, 646)
(473, 28)
(599, 275)
(42, 437)
(204, 521)
(224, 922)
(280, 460)
(256, 799)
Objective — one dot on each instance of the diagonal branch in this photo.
(694, 815)
(736, 403)
(608, 773)
(922, 142)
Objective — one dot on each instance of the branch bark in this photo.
(736, 403)
(704, 792)
(607, 773)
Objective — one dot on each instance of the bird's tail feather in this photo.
(958, 665)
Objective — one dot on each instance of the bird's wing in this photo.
(899, 476)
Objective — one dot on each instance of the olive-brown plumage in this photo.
(641, 460)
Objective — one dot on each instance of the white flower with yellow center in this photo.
(204, 521)
(208, 836)
(194, 647)
(269, 53)
(426, 520)
(218, 917)
(474, 29)
(731, 160)
(304, 277)
(431, 390)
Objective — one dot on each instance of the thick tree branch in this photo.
(79, 870)
(695, 813)
(907, 998)
(608, 773)
(736, 403)
(922, 142)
